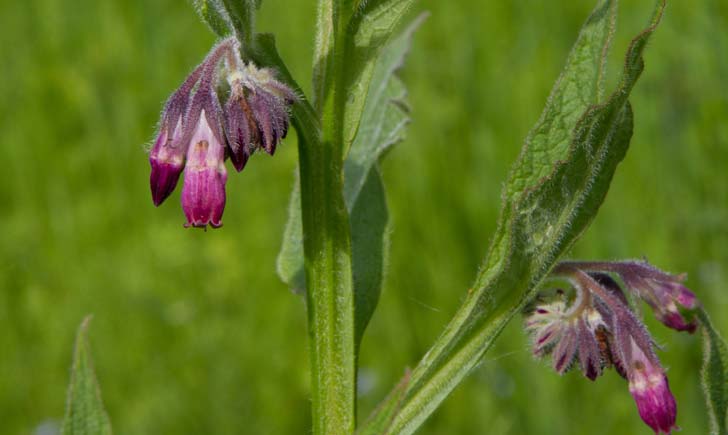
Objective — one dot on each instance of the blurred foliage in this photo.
(193, 332)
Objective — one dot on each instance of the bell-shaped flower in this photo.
(649, 388)
(167, 156)
(203, 192)
(664, 292)
(599, 328)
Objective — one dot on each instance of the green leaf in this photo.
(213, 13)
(383, 125)
(553, 192)
(366, 36)
(242, 18)
(715, 375)
(384, 120)
(327, 23)
(289, 263)
(85, 414)
(385, 114)
(369, 218)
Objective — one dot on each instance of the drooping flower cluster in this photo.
(197, 133)
(597, 327)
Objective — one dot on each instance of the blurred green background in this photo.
(193, 332)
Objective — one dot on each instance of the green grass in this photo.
(193, 333)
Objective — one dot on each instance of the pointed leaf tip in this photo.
(85, 413)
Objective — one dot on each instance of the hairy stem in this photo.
(326, 232)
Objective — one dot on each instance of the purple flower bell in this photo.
(663, 292)
(650, 390)
(167, 156)
(196, 134)
(597, 327)
(203, 192)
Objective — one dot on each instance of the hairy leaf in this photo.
(385, 113)
(289, 263)
(367, 34)
(328, 18)
(369, 218)
(383, 124)
(554, 191)
(85, 414)
(715, 375)
(213, 13)
(242, 17)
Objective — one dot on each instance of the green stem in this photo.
(330, 298)
(327, 255)
(242, 15)
(327, 238)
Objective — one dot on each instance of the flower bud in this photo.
(256, 113)
(167, 162)
(663, 292)
(590, 355)
(240, 126)
(167, 156)
(272, 118)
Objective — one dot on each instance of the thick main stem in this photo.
(330, 299)
(327, 239)
(327, 252)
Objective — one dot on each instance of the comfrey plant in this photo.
(241, 98)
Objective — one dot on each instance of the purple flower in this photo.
(649, 388)
(196, 134)
(203, 192)
(632, 351)
(568, 333)
(272, 118)
(167, 156)
(663, 292)
(239, 126)
(597, 327)
(256, 113)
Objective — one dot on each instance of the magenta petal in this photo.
(655, 402)
(203, 192)
(684, 296)
(163, 180)
(677, 322)
(167, 160)
(203, 197)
